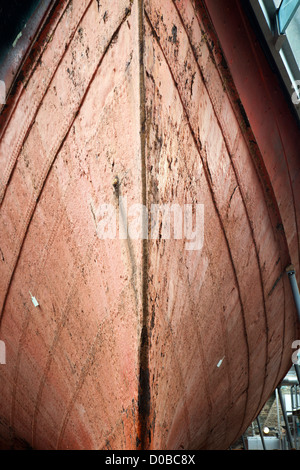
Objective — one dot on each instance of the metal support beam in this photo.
(292, 277)
(261, 434)
(279, 38)
(294, 407)
(278, 418)
(288, 431)
(243, 441)
(297, 370)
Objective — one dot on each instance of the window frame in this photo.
(266, 15)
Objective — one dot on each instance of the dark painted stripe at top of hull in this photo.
(26, 23)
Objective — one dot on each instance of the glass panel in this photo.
(293, 36)
(286, 11)
(277, 3)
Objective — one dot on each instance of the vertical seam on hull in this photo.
(143, 438)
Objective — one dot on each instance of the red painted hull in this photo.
(141, 343)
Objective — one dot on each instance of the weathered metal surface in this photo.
(139, 343)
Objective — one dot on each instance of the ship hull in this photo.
(143, 339)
